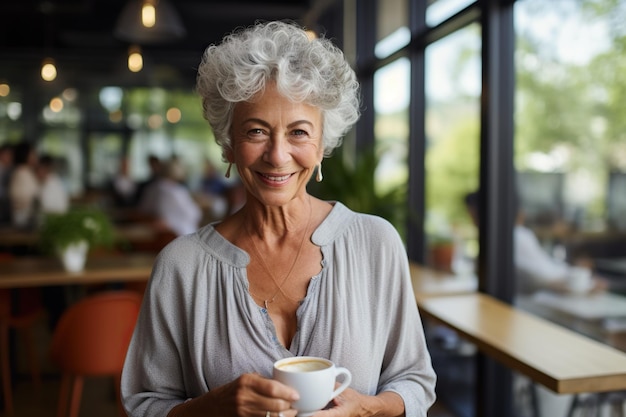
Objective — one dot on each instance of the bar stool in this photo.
(591, 405)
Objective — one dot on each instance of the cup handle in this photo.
(347, 378)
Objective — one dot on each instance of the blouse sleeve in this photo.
(407, 368)
(156, 350)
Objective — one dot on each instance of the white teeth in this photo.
(272, 178)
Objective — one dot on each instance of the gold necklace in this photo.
(266, 302)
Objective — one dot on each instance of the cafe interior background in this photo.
(518, 98)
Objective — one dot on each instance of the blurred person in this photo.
(536, 269)
(287, 274)
(6, 167)
(212, 183)
(169, 202)
(156, 166)
(235, 196)
(123, 187)
(53, 194)
(213, 192)
(24, 188)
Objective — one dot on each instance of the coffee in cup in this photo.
(314, 378)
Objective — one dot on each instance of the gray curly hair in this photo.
(313, 71)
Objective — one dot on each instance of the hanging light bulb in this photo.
(56, 105)
(48, 70)
(148, 13)
(5, 89)
(149, 22)
(135, 60)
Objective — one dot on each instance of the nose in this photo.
(277, 152)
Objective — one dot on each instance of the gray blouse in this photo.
(199, 328)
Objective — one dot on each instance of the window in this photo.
(392, 27)
(452, 146)
(391, 127)
(440, 10)
(570, 103)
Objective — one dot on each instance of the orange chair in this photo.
(91, 339)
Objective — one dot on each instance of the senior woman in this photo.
(288, 274)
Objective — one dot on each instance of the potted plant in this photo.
(72, 234)
(354, 186)
(441, 252)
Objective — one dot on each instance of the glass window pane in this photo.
(64, 145)
(105, 150)
(392, 27)
(11, 126)
(570, 141)
(440, 10)
(570, 158)
(453, 79)
(391, 127)
(452, 148)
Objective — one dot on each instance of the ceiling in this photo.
(79, 35)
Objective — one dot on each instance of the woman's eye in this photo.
(255, 132)
(299, 132)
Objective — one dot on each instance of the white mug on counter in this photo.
(579, 280)
(314, 378)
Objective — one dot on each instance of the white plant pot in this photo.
(74, 256)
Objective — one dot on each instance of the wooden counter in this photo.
(127, 233)
(558, 358)
(601, 316)
(43, 271)
(433, 282)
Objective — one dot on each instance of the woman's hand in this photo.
(250, 395)
(600, 284)
(353, 404)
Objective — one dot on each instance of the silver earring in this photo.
(319, 177)
(227, 175)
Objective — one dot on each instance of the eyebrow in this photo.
(292, 124)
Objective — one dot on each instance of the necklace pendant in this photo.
(265, 302)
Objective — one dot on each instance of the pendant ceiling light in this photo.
(48, 70)
(149, 21)
(135, 59)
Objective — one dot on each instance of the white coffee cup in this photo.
(579, 280)
(314, 378)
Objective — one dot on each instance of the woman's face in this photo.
(276, 145)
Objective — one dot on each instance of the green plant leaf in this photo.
(88, 224)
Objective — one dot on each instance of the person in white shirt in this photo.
(170, 202)
(53, 195)
(536, 269)
(6, 168)
(24, 187)
(123, 187)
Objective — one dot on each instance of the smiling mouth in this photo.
(276, 178)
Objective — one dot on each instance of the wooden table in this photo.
(44, 271)
(10, 237)
(601, 316)
(602, 306)
(433, 282)
(560, 359)
(125, 233)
